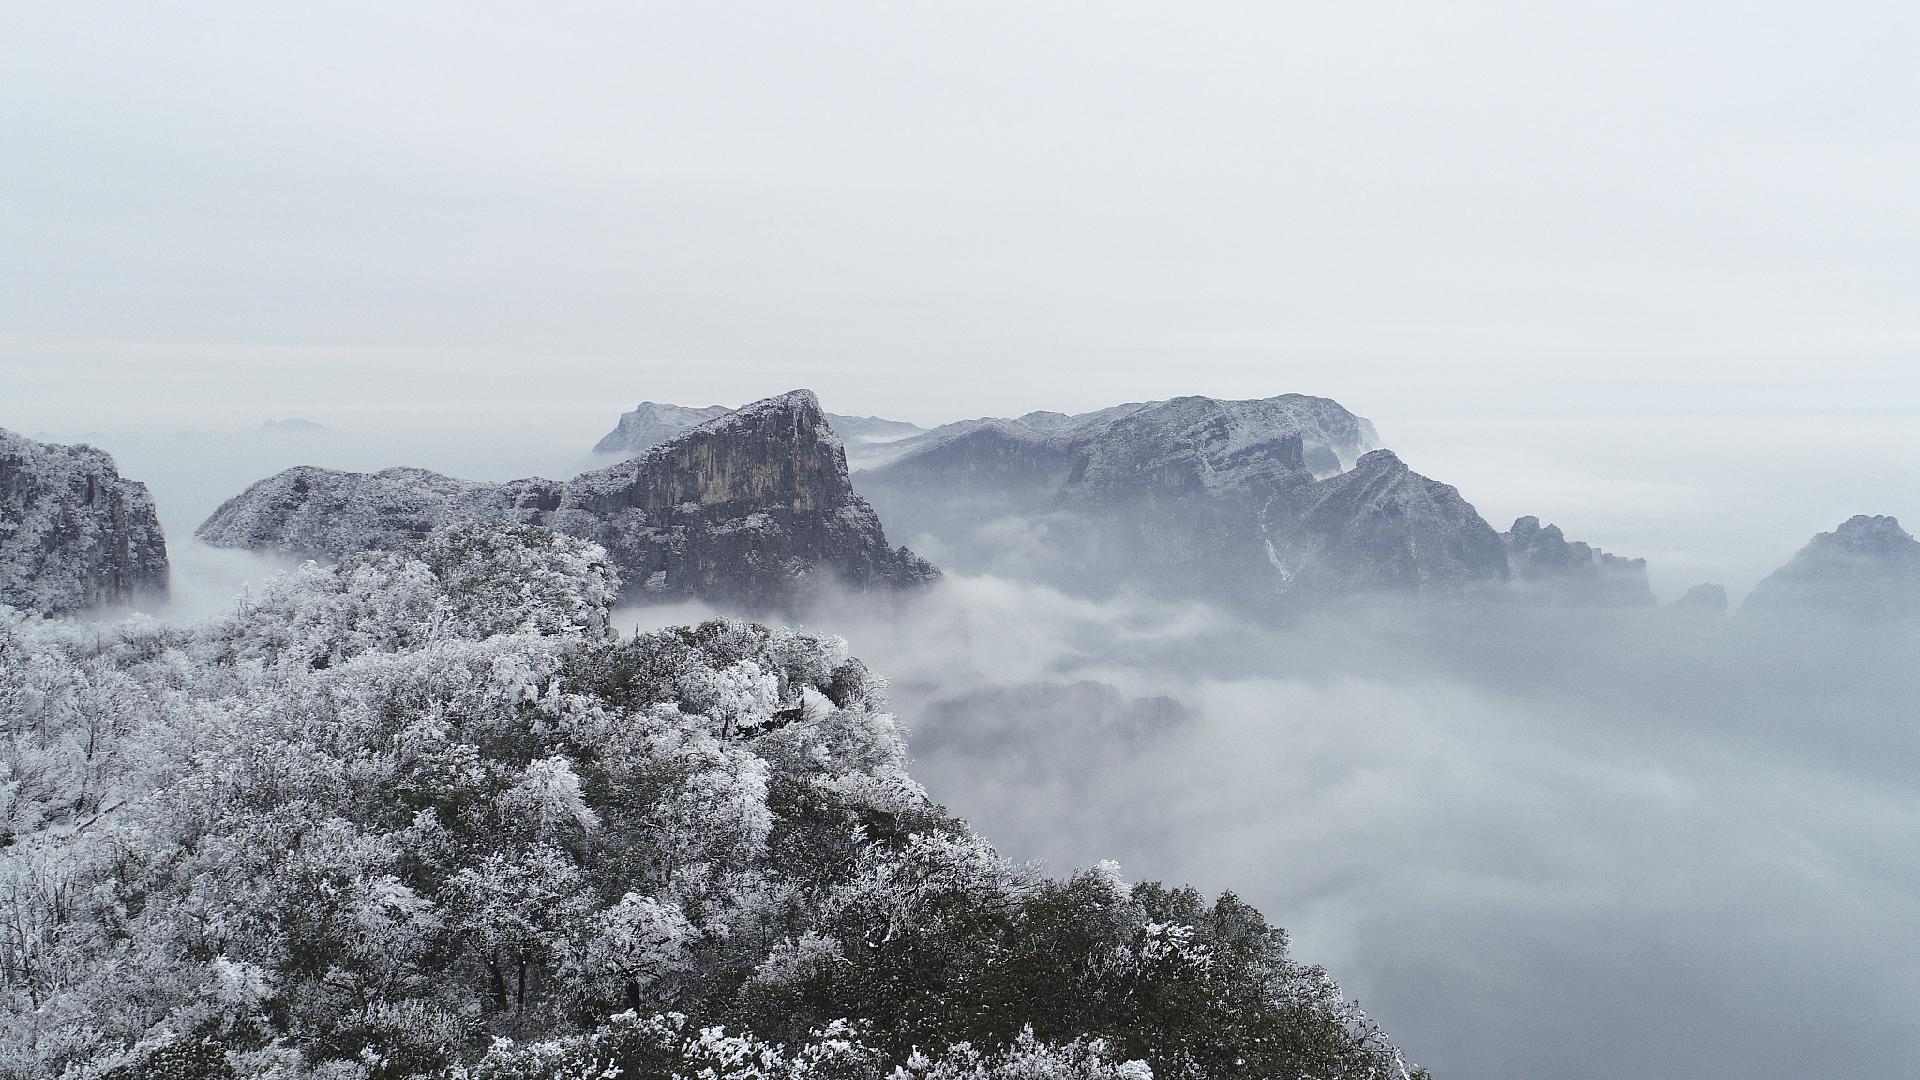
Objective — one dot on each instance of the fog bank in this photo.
(1534, 844)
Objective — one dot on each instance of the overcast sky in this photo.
(1645, 269)
(940, 211)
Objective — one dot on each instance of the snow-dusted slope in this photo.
(73, 533)
(1380, 527)
(745, 508)
(1331, 437)
(1868, 569)
(652, 423)
(1243, 502)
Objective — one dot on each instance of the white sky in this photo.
(944, 210)
(1647, 268)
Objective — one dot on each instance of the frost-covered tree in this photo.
(424, 814)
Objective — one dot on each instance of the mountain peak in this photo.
(792, 399)
(1873, 527)
(800, 408)
(1866, 568)
(1377, 460)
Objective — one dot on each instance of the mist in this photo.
(1644, 270)
(1532, 842)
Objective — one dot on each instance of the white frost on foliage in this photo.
(550, 796)
(382, 811)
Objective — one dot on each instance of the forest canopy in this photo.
(427, 814)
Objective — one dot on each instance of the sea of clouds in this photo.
(1587, 844)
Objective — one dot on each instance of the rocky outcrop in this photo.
(753, 507)
(1242, 502)
(73, 533)
(652, 423)
(1545, 566)
(1707, 599)
(1865, 571)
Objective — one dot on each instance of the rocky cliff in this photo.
(1546, 566)
(73, 533)
(1865, 571)
(751, 507)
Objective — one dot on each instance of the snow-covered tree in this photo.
(425, 814)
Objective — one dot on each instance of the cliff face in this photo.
(1867, 570)
(1242, 502)
(73, 533)
(1547, 566)
(746, 508)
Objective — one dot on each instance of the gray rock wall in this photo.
(74, 534)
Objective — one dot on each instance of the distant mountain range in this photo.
(1266, 505)
(1332, 438)
(292, 425)
(651, 423)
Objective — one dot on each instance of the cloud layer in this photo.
(1534, 844)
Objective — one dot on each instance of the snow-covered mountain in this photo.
(1332, 438)
(1265, 504)
(1867, 569)
(651, 423)
(745, 508)
(73, 533)
(1243, 502)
